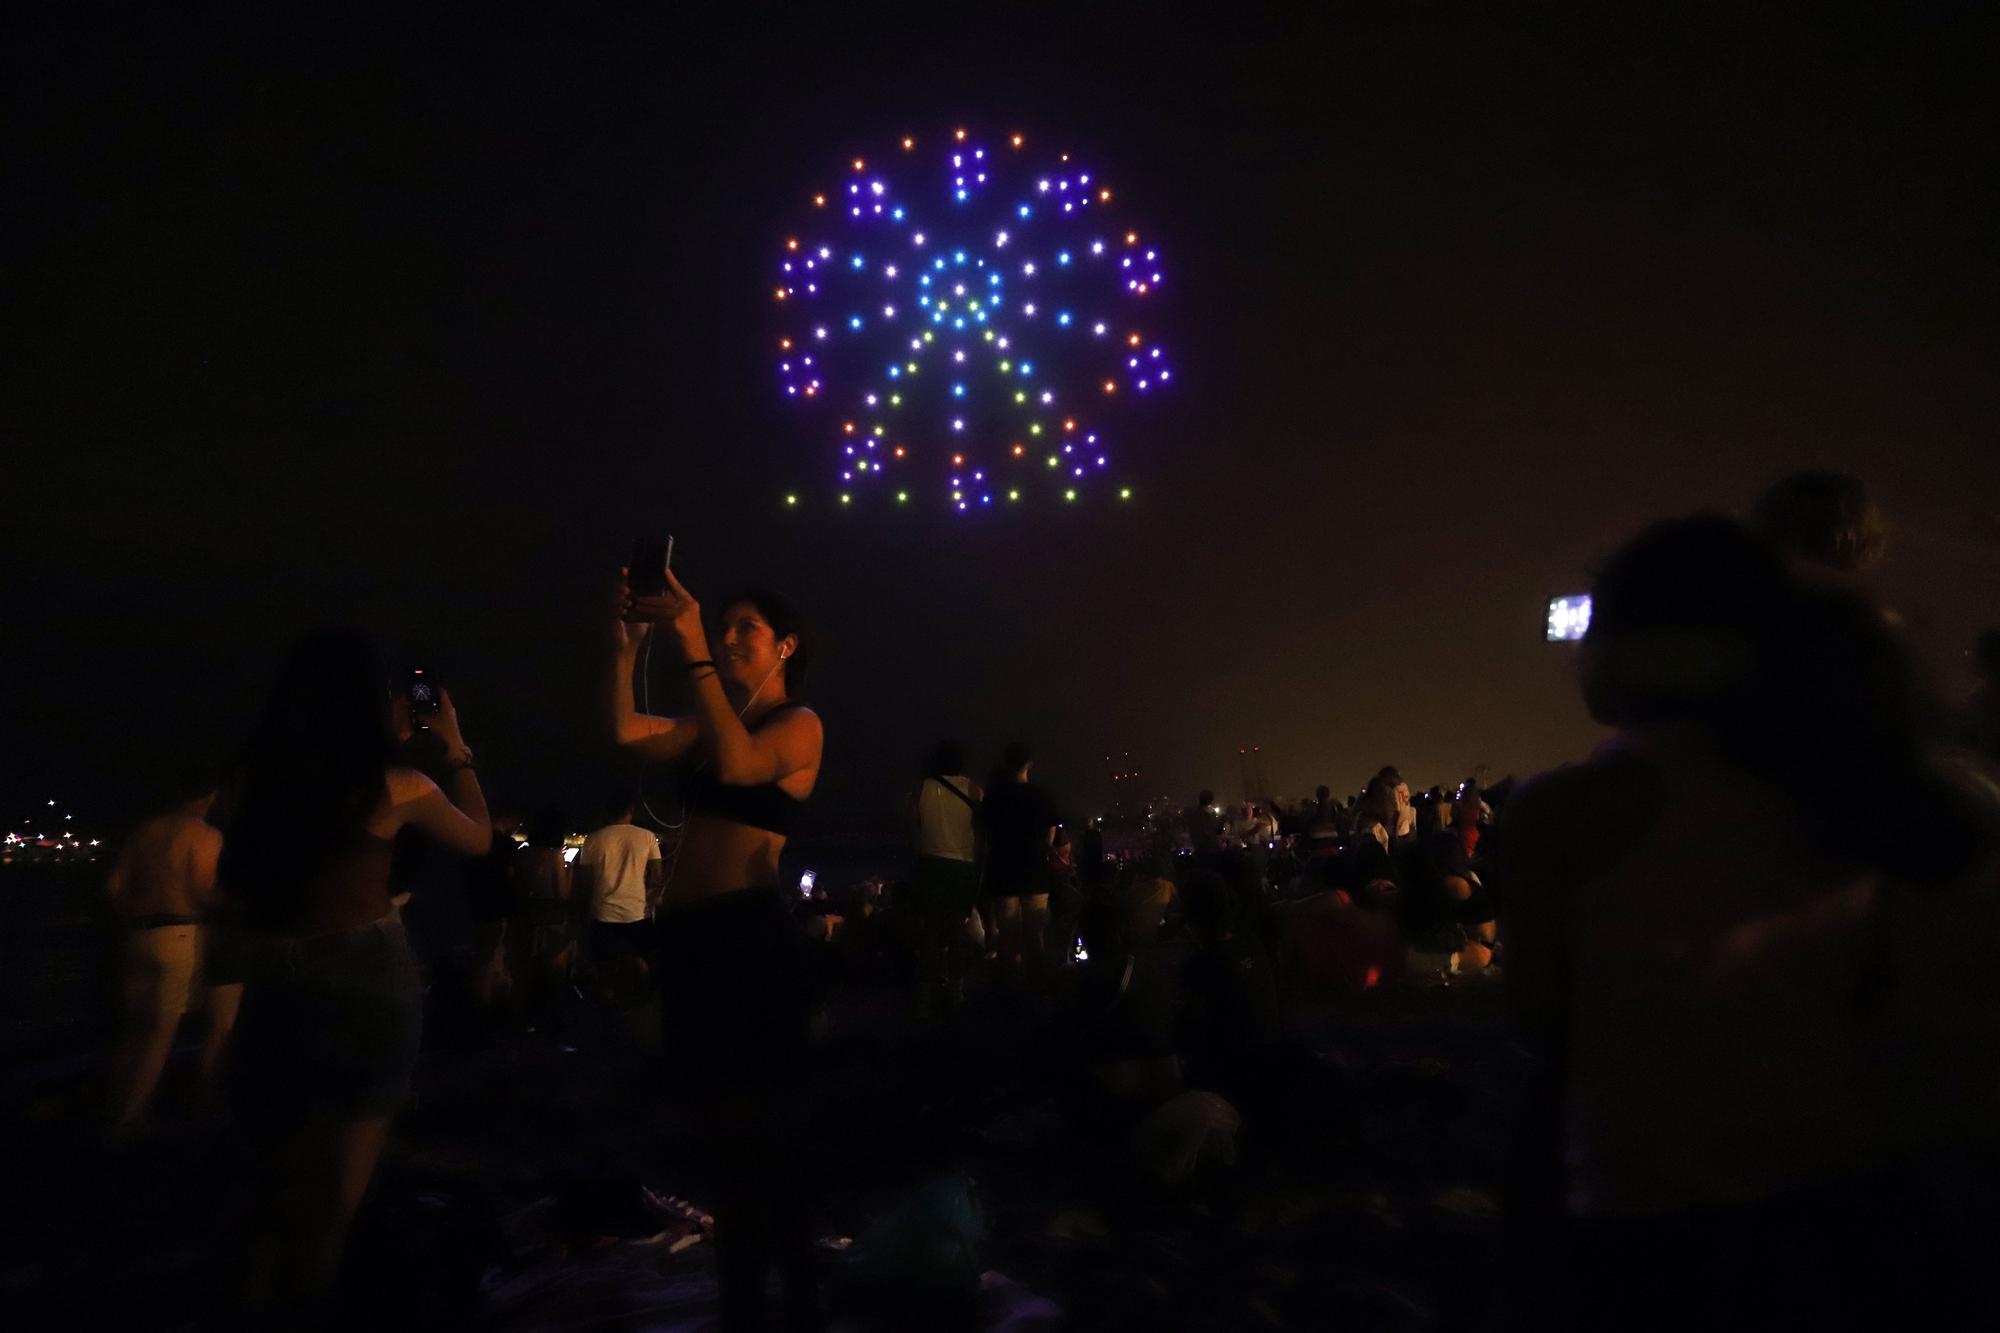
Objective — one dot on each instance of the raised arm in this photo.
(742, 758)
(662, 739)
(455, 814)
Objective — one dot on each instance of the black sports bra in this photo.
(765, 806)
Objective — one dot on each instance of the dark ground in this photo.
(1374, 1206)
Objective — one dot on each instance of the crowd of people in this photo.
(1736, 936)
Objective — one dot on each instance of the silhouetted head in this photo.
(1822, 518)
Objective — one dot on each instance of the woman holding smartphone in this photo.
(735, 1005)
(332, 1011)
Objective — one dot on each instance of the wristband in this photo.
(701, 662)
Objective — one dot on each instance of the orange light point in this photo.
(784, 344)
(819, 201)
(847, 426)
(1131, 238)
(1134, 340)
(960, 135)
(958, 460)
(1017, 141)
(908, 143)
(1018, 451)
(792, 243)
(858, 164)
(1110, 387)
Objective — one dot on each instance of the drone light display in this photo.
(967, 324)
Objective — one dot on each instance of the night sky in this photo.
(417, 324)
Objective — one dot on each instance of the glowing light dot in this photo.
(858, 164)
(819, 201)
(958, 460)
(958, 423)
(1018, 451)
(1069, 425)
(781, 293)
(792, 244)
(847, 426)
(1125, 493)
(1104, 196)
(1016, 141)
(918, 238)
(900, 452)
(1097, 329)
(791, 499)
(902, 497)
(1109, 387)
(1131, 238)
(1013, 495)
(845, 498)
(908, 143)
(960, 136)
(785, 344)
(1067, 495)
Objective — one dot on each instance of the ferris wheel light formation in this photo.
(967, 327)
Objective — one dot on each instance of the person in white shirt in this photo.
(942, 811)
(619, 874)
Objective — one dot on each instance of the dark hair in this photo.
(1204, 797)
(622, 801)
(190, 779)
(314, 766)
(1211, 905)
(777, 611)
(946, 759)
(548, 827)
(1677, 615)
(1822, 517)
(1699, 621)
(1015, 755)
(1321, 792)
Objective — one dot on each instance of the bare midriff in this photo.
(720, 855)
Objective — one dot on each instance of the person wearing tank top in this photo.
(327, 1039)
(943, 818)
(735, 1006)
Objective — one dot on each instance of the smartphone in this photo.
(806, 882)
(1080, 954)
(651, 559)
(1569, 618)
(422, 692)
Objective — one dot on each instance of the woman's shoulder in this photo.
(405, 785)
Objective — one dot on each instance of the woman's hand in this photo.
(676, 609)
(627, 630)
(445, 722)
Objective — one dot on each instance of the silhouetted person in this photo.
(1019, 821)
(1695, 948)
(944, 812)
(161, 886)
(332, 1014)
(1823, 519)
